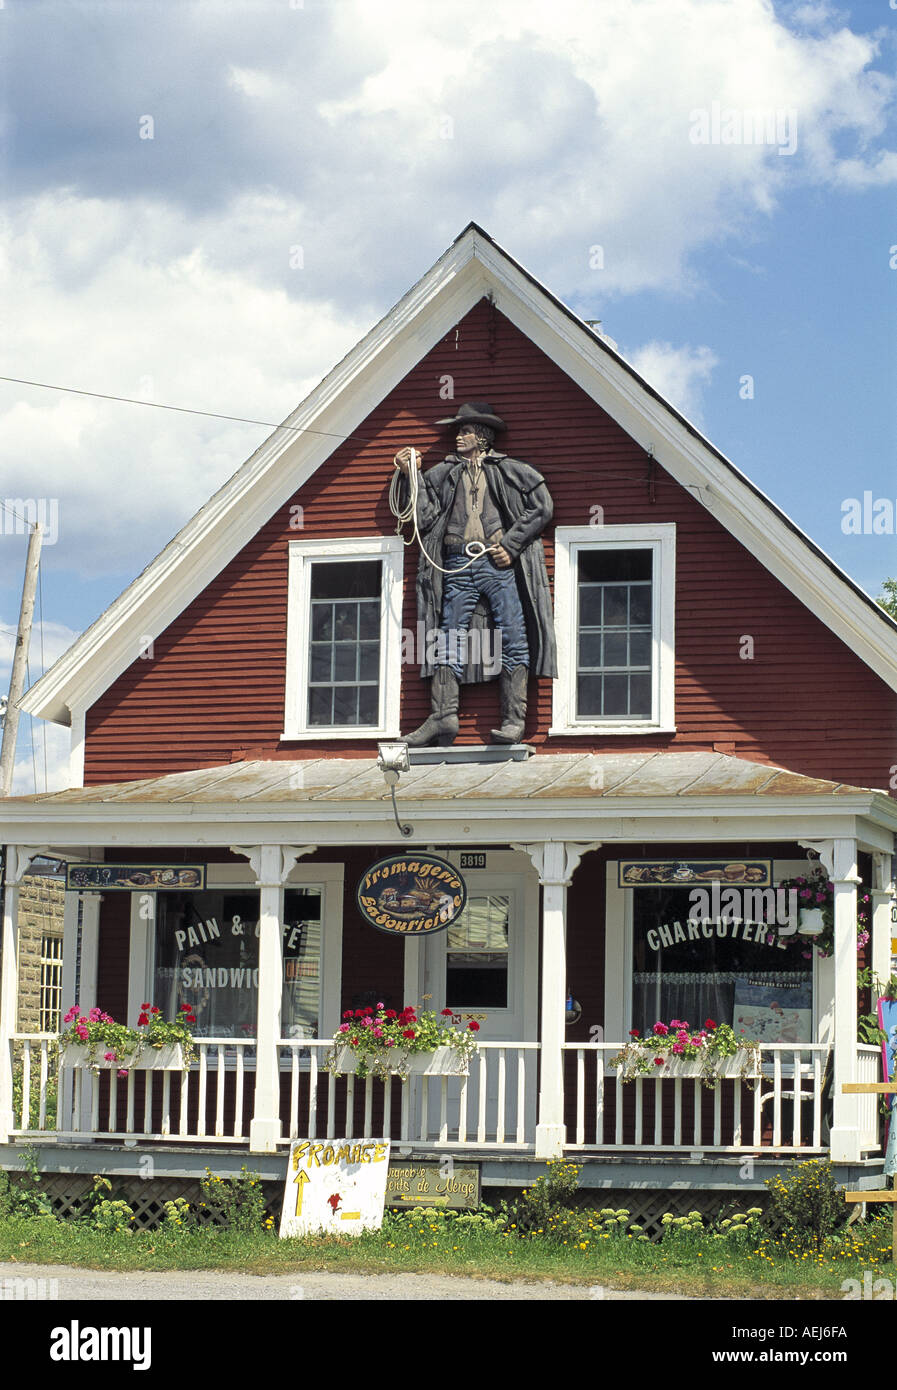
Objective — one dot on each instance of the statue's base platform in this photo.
(472, 753)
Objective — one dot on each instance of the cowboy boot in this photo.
(513, 705)
(442, 725)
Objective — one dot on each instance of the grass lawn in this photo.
(694, 1263)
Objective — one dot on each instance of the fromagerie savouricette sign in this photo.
(411, 894)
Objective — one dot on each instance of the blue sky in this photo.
(368, 133)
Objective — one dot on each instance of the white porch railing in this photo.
(784, 1112)
(493, 1107)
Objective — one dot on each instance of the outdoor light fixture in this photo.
(392, 760)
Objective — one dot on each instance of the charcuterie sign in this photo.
(411, 895)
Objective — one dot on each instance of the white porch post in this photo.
(845, 1137)
(271, 865)
(17, 861)
(555, 861)
(882, 926)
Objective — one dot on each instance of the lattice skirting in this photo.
(146, 1196)
(646, 1207)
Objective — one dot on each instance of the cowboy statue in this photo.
(478, 517)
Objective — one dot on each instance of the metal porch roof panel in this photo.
(549, 776)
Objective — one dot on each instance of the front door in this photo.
(484, 968)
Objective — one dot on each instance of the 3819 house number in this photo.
(473, 861)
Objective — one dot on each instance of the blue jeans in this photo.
(460, 595)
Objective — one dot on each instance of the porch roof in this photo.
(550, 776)
(695, 795)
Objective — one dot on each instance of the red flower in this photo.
(634, 1033)
(359, 1013)
(658, 1061)
(368, 1010)
(709, 1023)
(473, 1026)
(190, 1018)
(185, 1008)
(144, 1018)
(348, 1014)
(446, 1012)
(155, 1009)
(146, 1006)
(408, 1033)
(390, 1013)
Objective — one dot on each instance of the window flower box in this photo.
(709, 1055)
(442, 1061)
(169, 1057)
(383, 1042)
(744, 1065)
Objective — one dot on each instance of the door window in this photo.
(476, 966)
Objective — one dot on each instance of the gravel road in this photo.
(82, 1285)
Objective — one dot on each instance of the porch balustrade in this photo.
(493, 1109)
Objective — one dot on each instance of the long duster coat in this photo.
(525, 507)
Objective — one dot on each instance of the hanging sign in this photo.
(335, 1185)
(668, 873)
(130, 878)
(411, 895)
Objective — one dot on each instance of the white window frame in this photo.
(302, 555)
(569, 542)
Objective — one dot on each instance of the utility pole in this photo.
(19, 661)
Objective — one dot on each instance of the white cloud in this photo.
(678, 373)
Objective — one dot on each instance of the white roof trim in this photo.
(471, 267)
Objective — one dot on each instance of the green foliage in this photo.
(887, 599)
(25, 1196)
(102, 1213)
(807, 1203)
(177, 1216)
(238, 1203)
(542, 1207)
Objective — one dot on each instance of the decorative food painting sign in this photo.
(411, 894)
(131, 878)
(667, 873)
(335, 1185)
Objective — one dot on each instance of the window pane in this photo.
(369, 704)
(345, 704)
(589, 649)
(301, 962)
(476, 974)
(369, 657)
(640, 604)
(605, 566)
(320, 662)
(640, 649)
(321, 622)
(616, 606)
(588, 696)
(345, 621)
(616, 694)
(345, 655)
(369, 620)
(640, 696)
(345, 579)
(615, 649)
(207, 957)
(320, 705)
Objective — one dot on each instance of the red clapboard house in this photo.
(739, 720)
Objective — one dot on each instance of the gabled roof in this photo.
(473, 266)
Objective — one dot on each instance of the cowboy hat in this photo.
(475, 413)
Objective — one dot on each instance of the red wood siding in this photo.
(214, 691)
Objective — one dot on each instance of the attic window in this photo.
(343, 638)
(614, 610)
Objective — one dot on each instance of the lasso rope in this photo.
(408, 513)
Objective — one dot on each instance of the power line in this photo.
(181, 409)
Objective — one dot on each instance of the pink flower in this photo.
(661, 1029)
(678, 1047)
(122, 1071)
(390, 1042)
(95, 1015)
(381, 1005)
(82, 1032)
(378, 1032)
(72, 1013)
(109, 1056)
(343, 1028)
